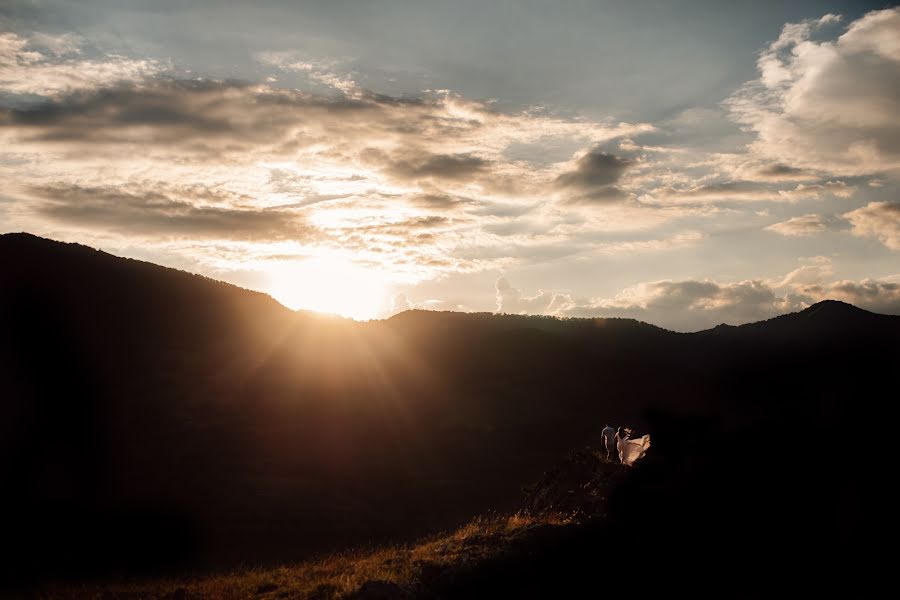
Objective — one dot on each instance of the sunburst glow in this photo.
(329, 284)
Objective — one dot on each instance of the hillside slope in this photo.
(155, 420)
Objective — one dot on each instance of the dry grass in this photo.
(337, 575)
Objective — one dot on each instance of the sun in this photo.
(329, 284)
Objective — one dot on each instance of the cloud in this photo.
(183, 119)
(780, 172)
(812, 191)
(510, 300)
(413, 166)
(404, 229)
(882, 296)
(442, 137)
(508, 248)
(696, 304)
(154, 212)
(399, 303)
(805, 225)
(746, 191)
(734, 191)
(680, 305)
(437, 201)
(693, 305)
(324, 72)
(815, 270)
(59, 68)
(435, 185)
(827, 106)
(594, 177)
(679, 240)
(399, 181)
(594, 169)
(880, 220)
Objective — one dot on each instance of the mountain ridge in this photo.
(828, 305)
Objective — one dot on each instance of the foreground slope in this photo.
(155, 420)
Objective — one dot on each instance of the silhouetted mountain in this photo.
(824, 319)
(154, 420)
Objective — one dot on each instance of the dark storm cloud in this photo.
(161, 213)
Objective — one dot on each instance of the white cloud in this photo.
(745, 191)
(828, 105)
(804, 225)
(693, 304)
(815, 270)
(325, 72)
(24, 69)
(688, 305)
(880, 220)
(427, 187)
(399, 303)
(361, 172)
(511, 300)
(877, 295)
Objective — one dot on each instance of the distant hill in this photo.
(155, 420)
(824, 319)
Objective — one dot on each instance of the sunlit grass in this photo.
(338, 575)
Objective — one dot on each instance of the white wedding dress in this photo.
(632, 450)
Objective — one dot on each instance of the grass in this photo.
(339, 575)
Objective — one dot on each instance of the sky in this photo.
(686, 164)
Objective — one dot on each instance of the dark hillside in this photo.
(154, 420)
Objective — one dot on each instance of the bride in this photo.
(630, 450)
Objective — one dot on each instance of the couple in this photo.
(619, 442)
